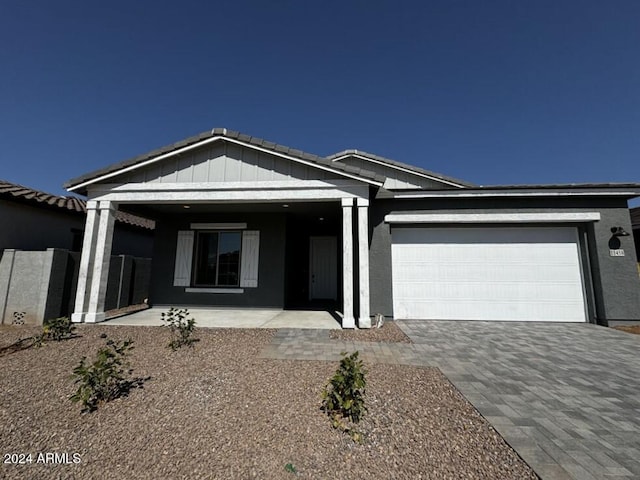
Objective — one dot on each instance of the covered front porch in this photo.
(286, 255)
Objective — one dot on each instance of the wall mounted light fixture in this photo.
(619, 232)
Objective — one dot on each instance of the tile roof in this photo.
(401, 165)
(20, 193)
(233, 135)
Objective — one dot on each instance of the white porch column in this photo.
(86, 262)
(364, 319)
(348, 320)
(94, 264)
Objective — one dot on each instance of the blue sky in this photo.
(493, 92)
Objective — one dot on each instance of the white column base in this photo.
(364, 322)
(94, 317)
(77, 317)
(348, 322)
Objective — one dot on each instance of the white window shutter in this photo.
(249, 262)
(184, 254)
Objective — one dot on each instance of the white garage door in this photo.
(510, 273)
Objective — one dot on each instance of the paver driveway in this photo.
(565, 396)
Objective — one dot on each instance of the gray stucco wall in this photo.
(616, 286)
(33, 228)
(271, 266)
(29, 228)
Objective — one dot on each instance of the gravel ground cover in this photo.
(219, 411)
(388, 333)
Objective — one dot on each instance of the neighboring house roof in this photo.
(22, 194)
(377, 158)
(223, 133)
(635, 217)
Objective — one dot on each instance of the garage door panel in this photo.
(491, 292)
(499, 311)
(478, 272)
(537, 278)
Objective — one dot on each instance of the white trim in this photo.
(231, 196)
(218, 226)
(491, 217)
(211, 140)
(402, 169)
(214, 290)
(223, 186)
(364, 318)
(348, 320)
(512, 193)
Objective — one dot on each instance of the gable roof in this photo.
(336, 157)
(79, 183)
(19, 193)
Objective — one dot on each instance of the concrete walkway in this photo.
(238, 318)
(566, 397)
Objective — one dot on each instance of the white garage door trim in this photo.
(557, 217)
(510, 273)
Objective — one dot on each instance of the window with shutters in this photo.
(217, 259)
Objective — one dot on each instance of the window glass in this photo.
(229, 258)
(218, 259)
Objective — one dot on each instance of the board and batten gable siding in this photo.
(223, 162)
(395, 179)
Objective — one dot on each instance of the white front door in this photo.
(323, 268)
(487, 273)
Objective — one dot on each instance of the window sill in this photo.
(214, 290)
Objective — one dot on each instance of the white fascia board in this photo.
(225, 186)
(221, 195)
(211, 140)
(402, 169)
(538, 193)
(559, 217)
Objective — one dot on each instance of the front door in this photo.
(323, 268)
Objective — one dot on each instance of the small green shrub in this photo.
(58, 329)
(106, 378)
(290, 467)
(343, 396)
(181, 327)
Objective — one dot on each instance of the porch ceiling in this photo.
(309, 208)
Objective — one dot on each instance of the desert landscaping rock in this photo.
(217, 410)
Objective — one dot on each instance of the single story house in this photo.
(34, 220)
(244, 222)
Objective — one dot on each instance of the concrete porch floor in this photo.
(238, 318)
